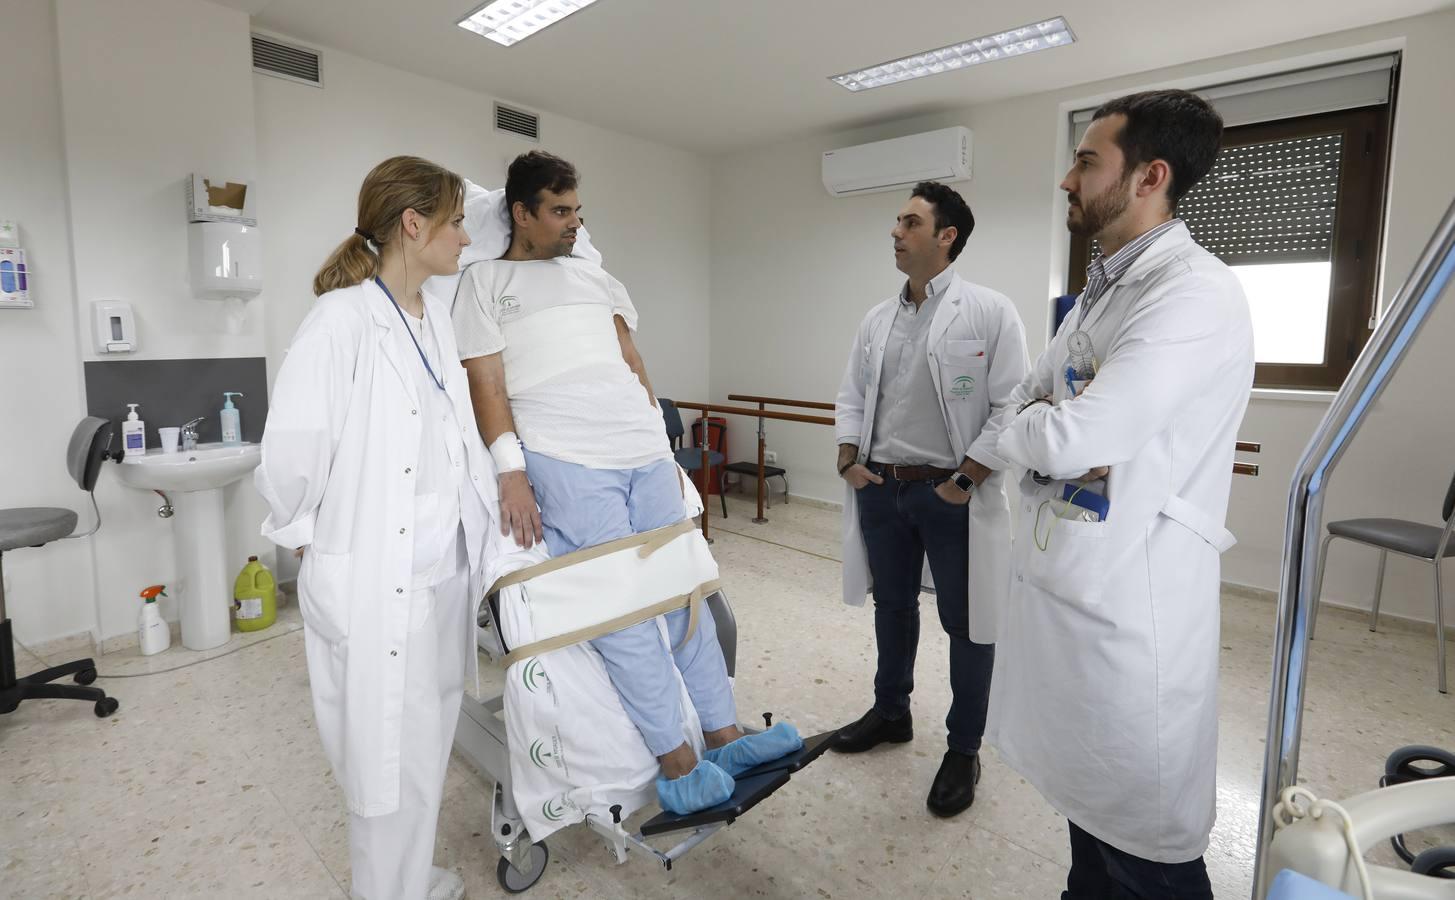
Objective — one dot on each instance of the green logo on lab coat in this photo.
(963, 386)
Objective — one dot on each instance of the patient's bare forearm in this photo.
(633, 358)
(488, 397)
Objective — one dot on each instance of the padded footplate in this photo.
(811, 750)
(751, 787)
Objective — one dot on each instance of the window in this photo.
(1295, 208)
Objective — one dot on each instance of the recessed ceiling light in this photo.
(509, 22)
(989, 48)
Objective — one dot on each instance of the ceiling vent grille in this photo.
(518, 122)
(271, 57)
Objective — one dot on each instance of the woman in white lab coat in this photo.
(372, 463)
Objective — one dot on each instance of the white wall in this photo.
(122, 102)
(48, 590)
(794, 270)
(152, 91)
(646, 205)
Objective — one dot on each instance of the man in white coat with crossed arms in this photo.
(1105, 688)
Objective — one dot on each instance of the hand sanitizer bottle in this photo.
(133, 433)
(231, 420)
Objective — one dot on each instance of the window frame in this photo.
(1356, 244)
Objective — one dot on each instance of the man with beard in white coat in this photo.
(928, 370)
(1105, 687)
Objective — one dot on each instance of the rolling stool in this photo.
(33, 527)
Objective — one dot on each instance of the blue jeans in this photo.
(903, 523)
(583, 507)
(1100, 871)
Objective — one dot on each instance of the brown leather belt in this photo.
(910, 473)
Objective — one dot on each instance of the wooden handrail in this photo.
(756, 413)
(1239, 468)
(778, 401)
(708, 409)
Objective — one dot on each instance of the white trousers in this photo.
(391, 855)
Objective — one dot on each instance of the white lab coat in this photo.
(1104, 693)
(339, 454)
(975, 334)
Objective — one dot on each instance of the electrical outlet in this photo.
(770, 457)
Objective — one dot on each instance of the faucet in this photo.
(189, 433)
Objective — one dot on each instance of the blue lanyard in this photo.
(420, 350)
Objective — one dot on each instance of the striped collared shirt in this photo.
(1104, 271)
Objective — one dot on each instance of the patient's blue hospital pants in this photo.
(583, 507)
(903, 523)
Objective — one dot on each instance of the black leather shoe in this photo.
(872, 730)
(954, 787)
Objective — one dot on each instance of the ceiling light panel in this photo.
(508, 22)
(1045, 35)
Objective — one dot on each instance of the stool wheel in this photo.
(86, 676)
(106, 706)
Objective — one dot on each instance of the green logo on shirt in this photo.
(962, 386)
(509, 306)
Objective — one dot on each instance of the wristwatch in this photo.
(963, 482)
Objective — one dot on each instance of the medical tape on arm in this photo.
(507, 453)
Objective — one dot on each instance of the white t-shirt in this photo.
(572, 395)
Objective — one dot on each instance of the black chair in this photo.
(33, 527)
(1427, 543)
(689, 458)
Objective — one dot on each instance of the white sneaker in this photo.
(445, 885)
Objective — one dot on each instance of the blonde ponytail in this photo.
(352, 262)
(394, 185)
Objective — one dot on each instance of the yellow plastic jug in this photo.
(254, 597)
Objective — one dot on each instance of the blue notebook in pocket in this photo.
(1078, 495)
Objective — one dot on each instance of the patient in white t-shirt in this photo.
(562, 399)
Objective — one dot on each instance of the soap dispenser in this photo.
(133, 433)
(231, 420)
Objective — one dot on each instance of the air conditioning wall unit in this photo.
(899, 163)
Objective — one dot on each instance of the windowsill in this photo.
(1294, 396)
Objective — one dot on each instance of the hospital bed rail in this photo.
(1372, 371)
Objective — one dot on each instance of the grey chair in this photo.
(689, 458)
(33, 527)
(1427, 543)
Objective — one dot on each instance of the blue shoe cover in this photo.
(704, 787)
(753, 750)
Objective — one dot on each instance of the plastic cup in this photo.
(169, 439)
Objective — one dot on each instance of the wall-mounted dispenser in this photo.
(226, 259)
(113, 326)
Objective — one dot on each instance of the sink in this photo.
(209, 467)
(194, 480)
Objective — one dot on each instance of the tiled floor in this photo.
(210, 782)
